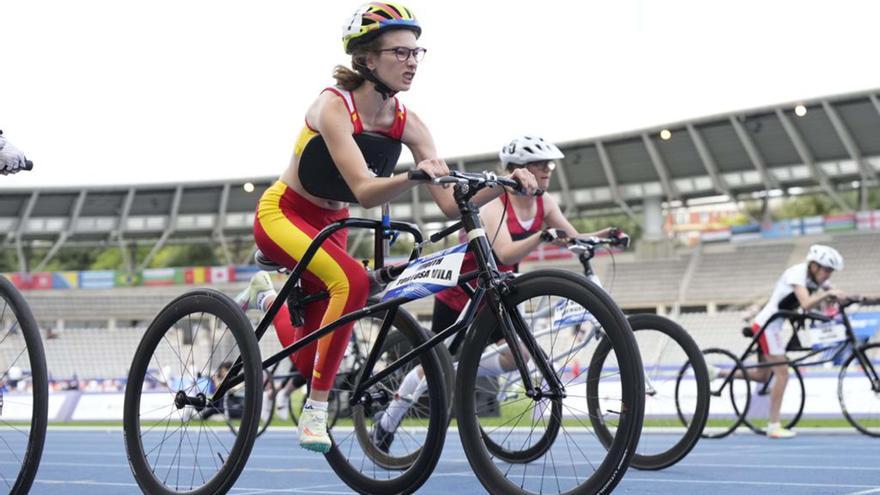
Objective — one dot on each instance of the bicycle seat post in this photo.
(382, 244)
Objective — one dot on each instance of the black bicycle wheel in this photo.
(367, 458)
(553, 306)
(859, 400)
(267, 409)
(24, 392)
(663, 345)
(792, 402)
(175, 436)
(729, 398)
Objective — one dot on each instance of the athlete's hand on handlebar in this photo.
(620, 237)
(527, 182)
(12, 160)
(836, 294)
(433, 168)
(586, 245)
(558, 237)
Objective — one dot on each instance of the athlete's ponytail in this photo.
(346, 78)
(349, 79)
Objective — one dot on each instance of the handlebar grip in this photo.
(418, 174)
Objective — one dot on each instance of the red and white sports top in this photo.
(456, 297)
(394, 132)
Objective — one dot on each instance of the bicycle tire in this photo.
(545, 284)
(224, 313)
(30, 332)
(398, 340)
(384, 477)
(738, 410)
(676, 452)
(267, 411)
(872, 430)
(792, 421)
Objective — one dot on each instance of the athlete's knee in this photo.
(354, 286)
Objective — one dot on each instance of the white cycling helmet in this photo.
(526, 149)
(826, 256)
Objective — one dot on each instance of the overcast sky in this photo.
(119, 92)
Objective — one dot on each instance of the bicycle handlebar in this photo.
(476, 181)
(583, 244)
(850, 300)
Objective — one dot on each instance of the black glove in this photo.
(550, 235)
(621, 238)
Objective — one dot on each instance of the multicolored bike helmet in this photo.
(374, 18)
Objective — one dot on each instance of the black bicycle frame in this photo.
(489, 279)
(381, 228)
(838, 348)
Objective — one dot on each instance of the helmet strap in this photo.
(810, 271)
(371, 76)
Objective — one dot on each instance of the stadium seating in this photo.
(101, 328)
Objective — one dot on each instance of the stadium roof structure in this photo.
(828, 144)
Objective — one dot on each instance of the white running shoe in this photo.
(313, 431)
(260, 283)
(779, 432)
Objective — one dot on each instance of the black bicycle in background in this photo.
(663, 345)
(24, 392)
(171, 450)
(286, 388)
(817, 339)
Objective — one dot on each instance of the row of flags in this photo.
(816, 225)
(108, 279)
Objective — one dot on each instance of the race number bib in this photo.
(428, 275)
(827, 333)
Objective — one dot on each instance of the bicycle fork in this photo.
(869, 369)
(512, 326)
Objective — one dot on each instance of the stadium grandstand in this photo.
(828, 146)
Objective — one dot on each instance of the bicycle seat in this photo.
(265, 263)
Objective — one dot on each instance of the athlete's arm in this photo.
(509, 252)
(808, 301)
(418, 139)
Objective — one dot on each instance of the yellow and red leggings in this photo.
(284, 227)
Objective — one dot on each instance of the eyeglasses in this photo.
(545, 166)
(403, 53)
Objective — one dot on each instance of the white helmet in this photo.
(527, 149)
(825, 256)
